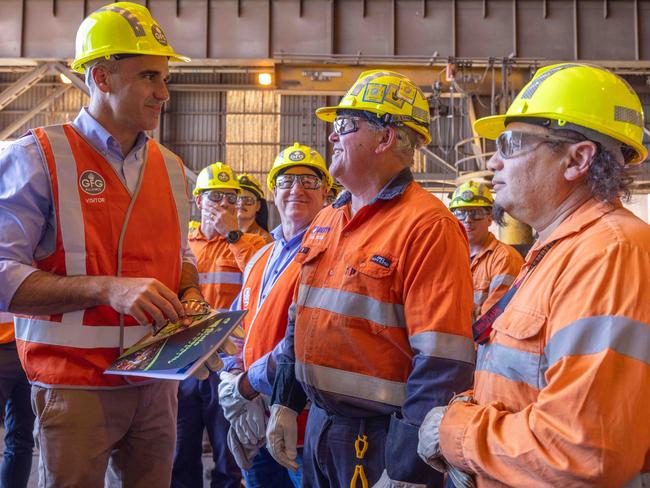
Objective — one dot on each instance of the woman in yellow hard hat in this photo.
(252, 210)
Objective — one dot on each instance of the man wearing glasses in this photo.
(562, 385)
(299, 181)
(380, 329)
(221, 254)
(494, 265)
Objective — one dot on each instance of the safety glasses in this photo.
(308, 182)
(511, 143)
(216, 196)
(346, 124)
(474, 214)
(245, 201)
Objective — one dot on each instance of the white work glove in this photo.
(247, 417)
(430, 452)
(282, 436)
(243, 453)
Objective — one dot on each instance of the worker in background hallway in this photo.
(299, 181)
(494, 264)
(563, 372)
(94, 248)
(252, 210)
(17, 408)
(220, 279)
(381, 321)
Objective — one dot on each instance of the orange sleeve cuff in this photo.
(453, 429)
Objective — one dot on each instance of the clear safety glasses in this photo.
(511, 143)
(245, 200)
(216, 196)
(473, 214)
(346, 124)
(308, 182)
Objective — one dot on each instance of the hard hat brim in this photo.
(491, 127)
(328, 114)
(79, 65)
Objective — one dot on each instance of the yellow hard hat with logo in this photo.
(577, 96)
(120, 28)
(217, 176)
(387, 94)
(298, 155)
(471, 194)
(252, 184)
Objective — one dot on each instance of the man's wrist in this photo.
(190, 291)
(245, 388)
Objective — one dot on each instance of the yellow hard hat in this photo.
(252, 184)
(471, 194)
(385, 93)
(120, 28)
(575, 96)
(217, 176)
(298, 155)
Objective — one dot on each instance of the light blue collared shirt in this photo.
(27, 215)
(262, 372)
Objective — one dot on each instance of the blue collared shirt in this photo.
(262, 372)
(27, 215)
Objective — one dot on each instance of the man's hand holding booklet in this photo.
(179, 349)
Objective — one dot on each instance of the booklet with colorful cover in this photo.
(177, 350)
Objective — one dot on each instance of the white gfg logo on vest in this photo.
(92, 182)
(246, 297)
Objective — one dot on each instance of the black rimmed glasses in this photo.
(216, 196)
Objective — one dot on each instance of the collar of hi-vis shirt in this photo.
(394, 188)
(489, 246)
(127, 167)
(582, 217)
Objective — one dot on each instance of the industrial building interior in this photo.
(260, 68)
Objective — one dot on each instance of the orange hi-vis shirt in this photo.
(563, 384)
(102, 230)
(220, 265)
(384, 305)
(6, 328)
(494, 269)
(257, 230)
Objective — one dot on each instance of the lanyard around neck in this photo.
(482, 328)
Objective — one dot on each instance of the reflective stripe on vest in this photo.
(442, 345)
(501, 280)
(351, 384)
(352, 305)
(102, 229)
(220, 278)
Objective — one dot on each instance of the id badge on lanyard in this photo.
(482, 327)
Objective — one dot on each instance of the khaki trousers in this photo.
(77, 432)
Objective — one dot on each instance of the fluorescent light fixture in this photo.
(65, 79)
(264, 79)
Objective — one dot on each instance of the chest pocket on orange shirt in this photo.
(516, 347)
(371, 273)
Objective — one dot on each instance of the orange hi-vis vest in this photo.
(266, 321)
(102, 230)
(6, 328)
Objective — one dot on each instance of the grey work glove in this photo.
(243, 453)
(247, 417)
(282, 436)
(429, 449)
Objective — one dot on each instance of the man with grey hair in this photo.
(379, 332)
(93, 250)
